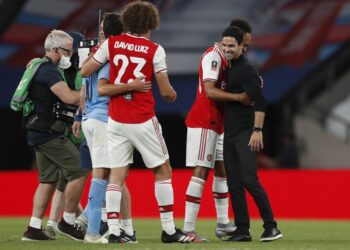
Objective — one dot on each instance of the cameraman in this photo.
(72, 78)
(54, 151)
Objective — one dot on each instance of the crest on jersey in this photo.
(214, 65)
(209, 157)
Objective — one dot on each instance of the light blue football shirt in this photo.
(96, 107)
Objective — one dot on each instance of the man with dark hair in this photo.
(243, 138)
(204, 149)
(111, 25)
(247, 29)
(132, 122)
(242, 24)
(94, 123)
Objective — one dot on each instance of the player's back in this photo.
(95, 106)
(131, 57)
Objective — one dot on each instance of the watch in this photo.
(257, 129)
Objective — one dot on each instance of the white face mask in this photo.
(64, 62)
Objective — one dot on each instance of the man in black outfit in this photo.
(243, 138)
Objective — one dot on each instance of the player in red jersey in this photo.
(132, 123)
(205, 138)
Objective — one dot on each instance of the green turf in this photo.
(298, 235)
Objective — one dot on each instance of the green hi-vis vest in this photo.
(20, 100)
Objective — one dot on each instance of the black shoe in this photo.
(178, 236)
(270, 234)
(35, 234)
(128, 238)
(239, 236)
(71, 231)
(114, 239)
(103, 227)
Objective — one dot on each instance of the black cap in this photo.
(77, 38)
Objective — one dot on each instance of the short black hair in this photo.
(242, 24)
(112, 24)
(234, 32)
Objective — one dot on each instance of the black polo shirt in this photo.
(242, 77)
(46, 76)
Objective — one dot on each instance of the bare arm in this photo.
(77, 123)
(82, 97)
(259, 119)
(104, 88)
(217, 94)
(165, 88)
(76, 128)
(65, 94)
(89, 67)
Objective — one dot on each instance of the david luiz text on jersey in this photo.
(131, 47)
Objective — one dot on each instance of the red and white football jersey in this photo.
(205, 112)
(131, 57)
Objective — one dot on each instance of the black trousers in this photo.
(241, 167)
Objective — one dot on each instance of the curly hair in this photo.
(139, 17)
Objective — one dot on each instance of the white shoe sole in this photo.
(271, 238)
(131, 242)
(99, 241)
(27, 239)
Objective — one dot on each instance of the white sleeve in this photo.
(102, 54)
(211, 64)
(159, 60)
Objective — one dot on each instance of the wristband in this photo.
(78, 116)
(257, 129)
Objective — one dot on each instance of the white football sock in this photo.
(220, 192)
(165, 198)
(69, 217)
(127, 226)
(113, 198)
(35, 222)
(193, 200)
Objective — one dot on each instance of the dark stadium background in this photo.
(293, 83)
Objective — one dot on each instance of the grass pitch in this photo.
(298, 235)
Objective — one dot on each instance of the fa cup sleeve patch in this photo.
(214, 65)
